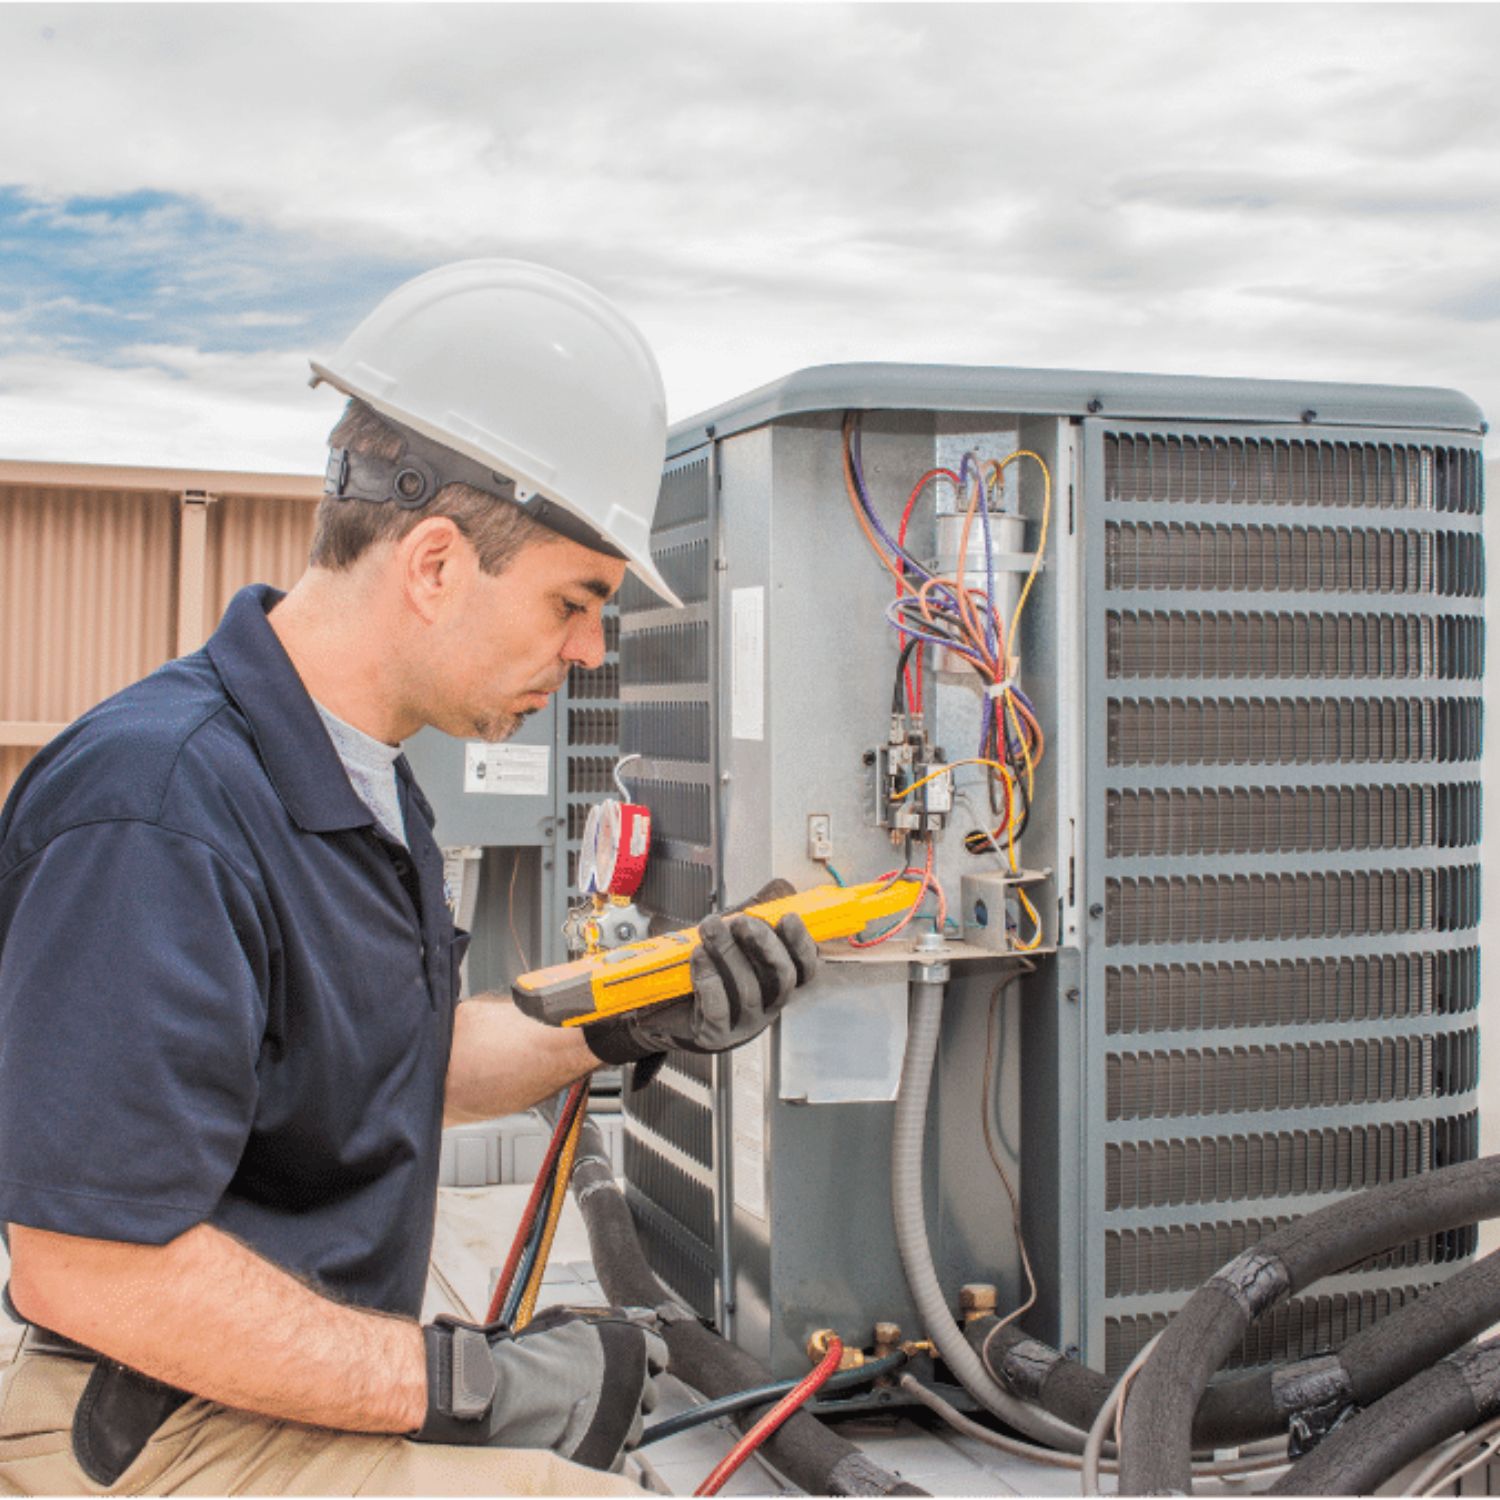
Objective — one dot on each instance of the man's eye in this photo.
(569, 609)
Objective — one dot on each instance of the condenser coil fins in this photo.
(1286, 644)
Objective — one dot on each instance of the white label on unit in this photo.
(507, 770)
(747, 664)
(747, 1096)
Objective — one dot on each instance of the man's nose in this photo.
(584, 645)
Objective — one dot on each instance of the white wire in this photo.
(1093, 1449)
(1247, 1464)
(1428, 1480)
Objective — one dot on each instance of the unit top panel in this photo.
(1110, 395)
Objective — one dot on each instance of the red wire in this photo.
(911, 501)
(927, 882)
(798, 1396)
(538, 1188)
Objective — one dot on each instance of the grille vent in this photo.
(1276, 471)
(1259, 908)
(684, 496)
(676, 1257)
(1294, 1329)
(595, 682)
(1181, 1257)
(667, 717)
(594, 726)
(1300, 559)
(685, 1122)
(678, 888)
(1291, 731)
(679, 809)
(1221, 1081)
(1184, 644)
(1289, 992)
(1282, 1163)
(688, 1200)
(1291, 819)
(665, 731)
(591, 775)
(685, 569)
(667, 654)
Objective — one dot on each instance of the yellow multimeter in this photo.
(656, 969)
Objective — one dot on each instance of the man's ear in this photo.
(435, 560)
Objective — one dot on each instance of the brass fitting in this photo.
(817, 1347)
(887, 1339)
(913, 1347)
(978, 1300)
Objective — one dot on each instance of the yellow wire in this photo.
(943, 771)
(1015, 724)
(1036, 923)
(1041, 546)
(554, 1214)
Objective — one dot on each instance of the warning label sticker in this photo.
(507, 770)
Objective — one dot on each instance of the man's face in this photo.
(510, 640)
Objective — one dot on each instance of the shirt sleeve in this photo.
(133, 974)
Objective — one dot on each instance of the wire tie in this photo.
(999, 689)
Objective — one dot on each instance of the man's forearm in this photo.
(504, 1061)
(208, 1315)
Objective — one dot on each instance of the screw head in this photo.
(1096, 910)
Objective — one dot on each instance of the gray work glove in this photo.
(744, 971)
(577, 1380)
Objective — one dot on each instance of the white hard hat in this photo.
(535, 377)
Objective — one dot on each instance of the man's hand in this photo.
(744, 971)
(577, 1380)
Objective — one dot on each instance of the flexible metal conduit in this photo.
(812, 1456)
(929, 982)
(1373, 1361)
(1157, 1431)
(1451, 1397)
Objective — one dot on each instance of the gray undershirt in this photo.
(371, 765)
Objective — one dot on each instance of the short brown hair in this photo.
(344, 530)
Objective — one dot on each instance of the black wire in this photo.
(898, 696)
(763, 1395)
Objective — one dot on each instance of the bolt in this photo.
(1096, 911)
(1095, 405)
(977, 1300)
(1309, 415)
(1073, 996)
(725, 778)
(869, 757)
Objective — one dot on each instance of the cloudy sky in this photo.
(193, 198)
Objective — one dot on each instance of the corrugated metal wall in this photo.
(90, 578)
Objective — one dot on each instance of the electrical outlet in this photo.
(819, 837)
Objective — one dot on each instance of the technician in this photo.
(229, 1029)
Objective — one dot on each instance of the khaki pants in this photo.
(206, 1449)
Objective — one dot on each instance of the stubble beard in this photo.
(498, 727)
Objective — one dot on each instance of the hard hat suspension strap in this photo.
(424, 467)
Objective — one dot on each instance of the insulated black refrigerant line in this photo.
(812, 1456)
(1249, 1407)
(1157, 1429)
(1454, 1395)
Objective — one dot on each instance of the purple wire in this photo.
(857, 463)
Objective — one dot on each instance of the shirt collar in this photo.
(294, 747)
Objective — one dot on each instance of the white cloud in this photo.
(1263, 190)
(166, 406)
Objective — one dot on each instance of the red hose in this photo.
(798, 1396)
(538, 1188)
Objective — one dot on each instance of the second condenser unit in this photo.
(1228, 968)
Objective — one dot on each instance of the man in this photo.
(228, 978)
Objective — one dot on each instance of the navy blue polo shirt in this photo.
(225, 998)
